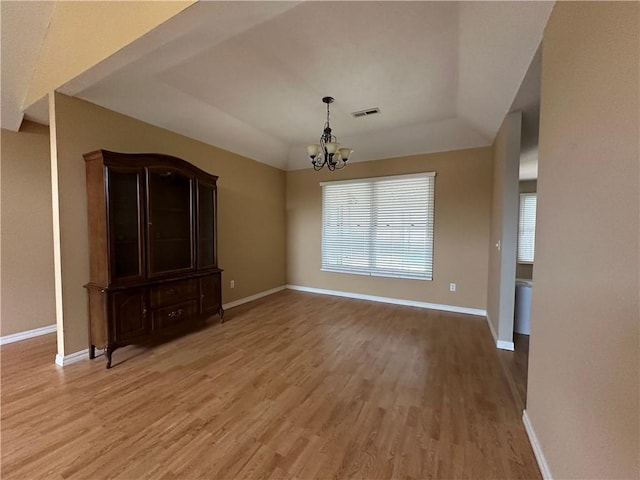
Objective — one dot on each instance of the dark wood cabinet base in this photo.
(142, 313)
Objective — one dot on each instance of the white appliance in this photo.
(522, 320)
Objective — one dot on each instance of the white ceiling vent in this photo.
(366, 113)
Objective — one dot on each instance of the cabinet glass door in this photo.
(170, 221)
(125, 224)
(206, 225)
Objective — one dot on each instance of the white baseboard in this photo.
(251, 298)
(535, 445)
(395, 301)
(36, 332)
(77, 356)
(493, 332)
(72, 357)
(501, 344)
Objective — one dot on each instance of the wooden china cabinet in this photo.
(152, 248)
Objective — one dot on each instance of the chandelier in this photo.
(328, 152)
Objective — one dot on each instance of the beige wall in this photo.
(251, 205)
(583, 387)
(462, 208)
(27, 244)
(504, 229)
(525, 270)
(82, 34)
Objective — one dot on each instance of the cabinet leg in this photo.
(108, 352)
(221, 312)
(92, 352)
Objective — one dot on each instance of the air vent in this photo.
(366, 113)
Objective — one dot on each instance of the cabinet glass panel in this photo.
(126, 218)
(206, 225)
(170, 238)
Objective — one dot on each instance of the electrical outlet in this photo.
(232, 284)
(452, 287)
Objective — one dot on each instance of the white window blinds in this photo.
(379, 226)
(527, 227)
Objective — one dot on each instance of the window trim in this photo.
(380, 179)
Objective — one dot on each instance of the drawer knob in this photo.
(176, 313)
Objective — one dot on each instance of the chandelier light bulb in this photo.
(313, 150)
(345, 153)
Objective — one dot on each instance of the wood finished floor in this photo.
(516, 365)
(294, 385)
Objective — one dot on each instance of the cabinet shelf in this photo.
(183, 211)
(170, 240)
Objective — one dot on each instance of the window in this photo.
(379, 226)
(527, 228)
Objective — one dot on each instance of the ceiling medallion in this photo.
(328, 152)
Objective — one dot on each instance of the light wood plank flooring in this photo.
(294, 385)
(516, 365)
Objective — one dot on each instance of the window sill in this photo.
(368, 274)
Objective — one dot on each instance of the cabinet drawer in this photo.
(174, 292)
(174, 315)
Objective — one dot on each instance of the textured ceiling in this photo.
(23, 29)
(249, 76)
